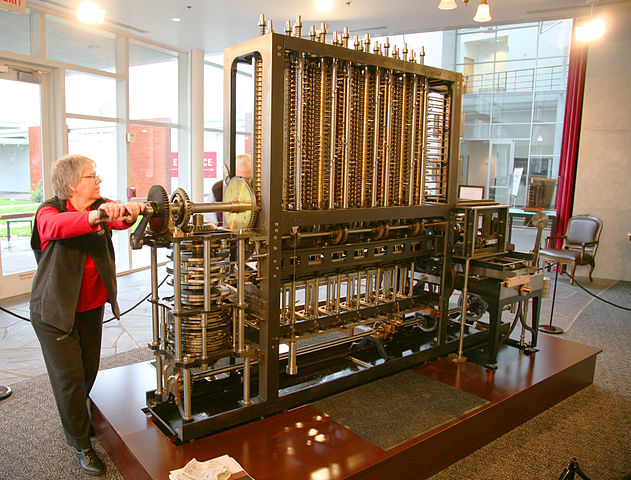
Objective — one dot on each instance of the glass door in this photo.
(21, 180)
(500, 179)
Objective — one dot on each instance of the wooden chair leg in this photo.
(591, 269)
(572, 274)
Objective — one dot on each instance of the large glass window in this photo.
(21, 167)
(153, 158)
(213, 123)
(79, 44)
(153, 84)
(213, 92)
(97, 140)
(90, 94)
(214, 95)
(15, 32)
(513, 105)
(144, 98)
(213, 162)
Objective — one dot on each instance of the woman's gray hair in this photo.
(67, 173)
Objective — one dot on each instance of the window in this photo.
(153, 158)
(516, 79)
(153, 84)
(77, 44)
(82, 97)
(97, 140)
(15, 32)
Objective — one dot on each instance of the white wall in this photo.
(603, 182)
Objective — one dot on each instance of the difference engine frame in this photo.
(345, 264)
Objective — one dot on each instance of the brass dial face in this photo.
(539, 220)
(239, 190)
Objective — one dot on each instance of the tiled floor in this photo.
(20, 354)
(21, 358)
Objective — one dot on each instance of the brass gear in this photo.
(205, 228)
(181, 210)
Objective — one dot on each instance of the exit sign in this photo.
(14, 5)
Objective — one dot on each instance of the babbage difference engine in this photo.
(333, 265)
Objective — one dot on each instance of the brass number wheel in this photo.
(239, 190)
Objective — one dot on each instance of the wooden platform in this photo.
(287, 446)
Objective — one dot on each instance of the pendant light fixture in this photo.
(447, 4)
(482, 14)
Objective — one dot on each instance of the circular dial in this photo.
(239, 190)
(539, 220)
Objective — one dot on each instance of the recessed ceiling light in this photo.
(176, 19)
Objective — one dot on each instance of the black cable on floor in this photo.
(130, 309)
(106, 321)
(593, 294)
(14, 314)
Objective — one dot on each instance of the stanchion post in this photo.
(551, 328)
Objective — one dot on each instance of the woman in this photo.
(75, 277)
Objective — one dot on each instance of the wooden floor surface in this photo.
(303, 444)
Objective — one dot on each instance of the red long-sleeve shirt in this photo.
(55, 225)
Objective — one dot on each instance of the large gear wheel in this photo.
(181, 210)
(159, 222)
(239, 190)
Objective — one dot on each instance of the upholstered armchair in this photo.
(580, 244)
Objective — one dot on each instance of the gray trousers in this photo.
(72, 362)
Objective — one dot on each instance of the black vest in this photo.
(60, 266)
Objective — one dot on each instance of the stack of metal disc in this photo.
(192, 282)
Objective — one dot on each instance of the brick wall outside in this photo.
(149, 158)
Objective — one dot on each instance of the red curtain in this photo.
(570, 139)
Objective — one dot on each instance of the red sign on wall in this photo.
(14, 5)
(173, 164)
(210, 164)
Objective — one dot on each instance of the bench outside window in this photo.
(21, 217)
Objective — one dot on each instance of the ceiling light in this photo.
(540, 138)
(589, 30)
(447, 4)
(324, 6)
(176, 19)
(483, 14)
(90, 12)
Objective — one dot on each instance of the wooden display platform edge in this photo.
(521, 388)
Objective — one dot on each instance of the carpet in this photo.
(604, 326)
(592, 425)
(33, 446)
(392, 410)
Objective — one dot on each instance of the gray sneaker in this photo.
(90, 462)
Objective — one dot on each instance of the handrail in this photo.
(12, 216)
